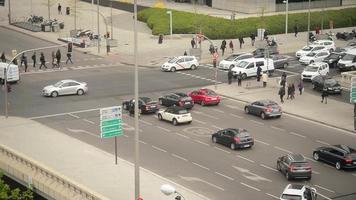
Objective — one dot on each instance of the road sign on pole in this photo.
(353, 90)
(111, 122)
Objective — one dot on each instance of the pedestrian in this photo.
(229, 76)
(54, 63)
(317, 30)
(24, 61)
(281, 93)
(69, 58)
(253, 39)
(324, 95)
(160, 39)
(231, 45)
(259, 70)
(283, 79)
(223, 47)
(34, 59)
(265, 35)
(292, 94)
(59, 9)
(295, 30)
(241, 41)
(239, 79)
(58, 56)
(192, 42)
(264, 79)
(211, 49)
(43, 61)
(289, 91)
(185, 53)
(301, 87)
(3, 58)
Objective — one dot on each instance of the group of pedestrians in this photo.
(290, 88)
(230, 76)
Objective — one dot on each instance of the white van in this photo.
(13, 74)
(348, 62)
(248, 67)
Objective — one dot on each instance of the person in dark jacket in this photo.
(24, 61)
(253, 39)
(295, 30)
(281, 93)
(43, 61)
(34, 59)
(229, 76)
(239, 78)
(259, 70)
(231, 45)
(58, 56)
(289, 92)
(241, 41)
(192, 42)
(69, 58)
(265, 35)
(211, 49)
(3, 58)
(283, 79)
(324, 95)
(300, 87)
(223, 47)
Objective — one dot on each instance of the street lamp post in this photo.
(112, 28)
(286, 2)
(75, 16)
(308, 23)
(170, 23)
(97, 8)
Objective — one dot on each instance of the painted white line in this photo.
(200, 122)
(325, 197)
(203, 143)
(179, 157)
(237, 116)
(233, 107)
(83, 131)
(322, 142)
(159, 149)
(126, 136)
(72, 115)
(251, 187)
(245, 159)
(259, 141)
(160, 127)
(285, 150)
(268, 167)
(219, 128)
(201, 166)
(324, 188)
(257, 122)
(142, 142)
(223, 150)
(271, 195)
(297, 134)
(217, 110)
(353, 174)
(195, 179)
(59, 114)
(277, 128)
(145, 122)
(225, 176)
(90, 122)
(183, 135)
(311, 159)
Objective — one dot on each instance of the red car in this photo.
(205, 97)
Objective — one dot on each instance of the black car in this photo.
(341, 156)
(178, 99)
(264, 109)
(280, 61)
(146, 105)
(233, 138)
(321, 83)
(260, 52)
(333, 58)
(294, 166)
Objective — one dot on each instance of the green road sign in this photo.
(111, 122)
(353, 90)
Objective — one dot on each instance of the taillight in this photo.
(348, 160)
(308, 167)
(181, 103)
(237, 139)
(292, 168)
(147, 107)
(268, 109)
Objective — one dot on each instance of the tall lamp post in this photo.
(308, 23)
(286, 2)
(170, 23)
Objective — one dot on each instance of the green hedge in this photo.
(218, 28)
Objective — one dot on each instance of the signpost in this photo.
(353, 97)
(111, 124)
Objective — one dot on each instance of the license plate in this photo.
(187, 102)
(355, 163)
(213, 98)
(246, 145)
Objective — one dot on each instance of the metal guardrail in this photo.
(41, 179)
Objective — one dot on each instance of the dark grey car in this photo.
(264, 108)
(280, 61)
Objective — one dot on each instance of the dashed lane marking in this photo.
(219, 128)
(90, 122)
(183, 135)
(142, 142)
(159, 149)
(268, 167)
(285, 150)
(179, 157)
(322, 142)
(237, 116)
(249, 160)
(259, 141)
(315, 172)
(271, 195)
(72, 115)
(225, 176)
(200, 122)
(297, 134)
(162, 128)
(217, 110)
(223, 150)
(201, 166)
(145, 122)
(203, 143)
(311, 159)
(251, 187)
(277, 128)
(256, 122)
(204, 114)
(201, 180)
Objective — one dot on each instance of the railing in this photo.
(41, 179)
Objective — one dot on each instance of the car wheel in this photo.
(202, 103)
(80, 92)
(278, 116)
(244, 76)
(193, 67)
(173, 69)
(338, 165)
(288, 177)
(278, 167)
(313, 86)
(232, 146)
(247, 111)
(54, 94)
(316, 156)
(175, 122)
(214, 139)
(311, 62)
(331, 50)
(285, 65)
(263, 115)
(160, 117)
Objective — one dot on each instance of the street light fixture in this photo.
(170, 22)
(308, 24)
(286, 2)
(169, 190)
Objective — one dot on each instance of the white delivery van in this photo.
(13, 74)
(348, 62)
(248, 67)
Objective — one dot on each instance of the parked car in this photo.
(264, 109)
(315, 69)
(176, 115)
(298, 192)
(248, 67)
(307, 49)
(321, 83)
(260, 52)
(205, 97)
(341, 156)
(65, 87)
(233, 138)
(294, 166)
(350, 45)
(231, 61)
(313, 57)
(333, 58)
(280, 61)
(178, 99)
(329, 44)
(145, 105)
(348, 62)
(180, 63)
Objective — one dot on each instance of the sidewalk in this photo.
(83, 163)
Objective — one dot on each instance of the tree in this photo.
(16, 194)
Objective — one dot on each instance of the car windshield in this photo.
(172, 60)
(232, 57)
(181, 94)
(210, 93)
(242, 64)
(146, 99)
(334, 56)
(291, 197)
(312, 54)
(307, 48)
(330, 82)
(348, 57)
(59, 83)
(311, 69)
(182, 112)
(242, 134)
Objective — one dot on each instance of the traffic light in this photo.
(2, 2)
(70, 47)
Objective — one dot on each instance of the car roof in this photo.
(344, 148)
(294, 189)
(317, 64)
(181, 94)
(185, 57)
(319, 41)
(177, 108)
(296, 157)
(69, 80)
(266, 101)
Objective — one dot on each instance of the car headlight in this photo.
(330, 88)
(330, 61)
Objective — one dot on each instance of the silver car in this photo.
(264, 109)
(65, 87)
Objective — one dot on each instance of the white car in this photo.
(65, 87)
(307, 49)
(231, 61)
(180, 63)
(175, 114)
(314, 57)
(298, 192)
(329, 44)
(248, 67)
(315, 69)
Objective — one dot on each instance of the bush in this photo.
(218, 28)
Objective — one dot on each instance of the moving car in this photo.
(348, 62)
(333, 58)
(307, 49)
(294, 166)
(145, 105)
(298, 192)
(280, 61)
(264, 108)
(232, 60)
(205, 97)
(178, 99)
(248, 67)
(260, 52)
(65, 87)
(321, 83)
(341, 156)
(315, 69)
(233, 138)
(175, 114)
(13, 73)
(180, 63)
(329, 44)
(313, 57)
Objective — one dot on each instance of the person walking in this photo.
(295, 30)
(192, 42)
(34, 59)
(223, 47)
(2, 57)
(265, 35)
(58, 56)
(253, 39)
(229, 76)
(289, 91)
(241, 41)
(59, 9)
(185, 53)
(231, 45)
(283, 79)
(264, 79)
(24, 61)
(69, 58)
(300, 87)
(281, 93)
(211, 49)
(43, 61)
(324, 95)
(292, 94)
(53, 56)
(259, 70)
(239, 79)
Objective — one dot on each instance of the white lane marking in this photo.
(200, 122)
(256, 122)
(145, 122)
(234, 107)
(225, 176)
(353, 174)
(72, 115)
(324, 188)
(217, 110)
(322, 142)
(245, 158)
(142, 142)
(201, 180)
(271, 195)
(183, 135)
(90, 122)
(203, 143)
(311, 159)
(251, 187)
(125, 135)
(219, 128)
(204, 114)
(83, 131)
(315, 172)
(201, 166)
(259, 141)
(223, 150)
(297, 134)
(325, 197)
(179, 157)
(250, 175)
(268, 167)
(277, 128)
(59, 114)
(237, 116)
(162, 128)
(279, 148)
(159, 149)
